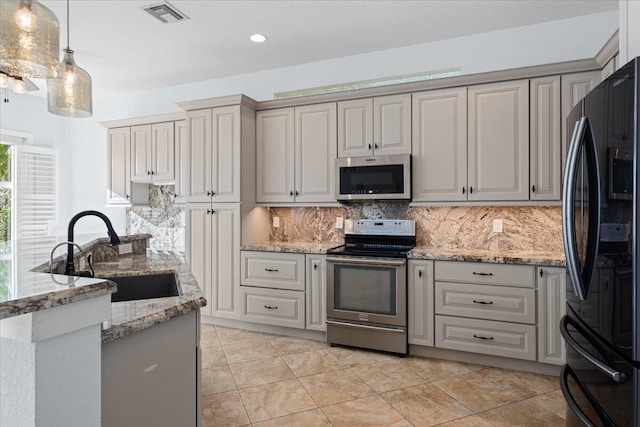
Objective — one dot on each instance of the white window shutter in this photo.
(36, 187)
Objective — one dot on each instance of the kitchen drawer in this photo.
(485, 273)
(486, 336)
(486, 302)
(272, 270)
(272, 306)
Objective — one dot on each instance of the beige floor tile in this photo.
(335, 387)
(353, 357)
(235, 336)
(526, 383)
(312, 362)
(209, 338)
(224, 409)
(287, 345)
(212, 356)
(478, 392)
(435, 369)
(313, 418)
(553, 402)
(522, 414)
(249, 350)
(367, 411)
(206, 327)
(472, 421)
(425, 405)
(276, 400)
(217, 380)
(387, 376)
(258, 372)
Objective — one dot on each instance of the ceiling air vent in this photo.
(165, 13)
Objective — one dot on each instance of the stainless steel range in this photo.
(367, 285)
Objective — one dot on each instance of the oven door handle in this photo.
(571, 402)
(367, 261)
(613, 374)
(355, 325)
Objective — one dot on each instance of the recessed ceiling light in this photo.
(258, 38)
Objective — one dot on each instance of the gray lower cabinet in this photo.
(420, 302)
(151, 377)
(552, 286)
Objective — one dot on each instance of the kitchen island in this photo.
(146, 367)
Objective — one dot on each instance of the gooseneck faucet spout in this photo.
(113, 237)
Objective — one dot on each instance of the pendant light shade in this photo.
(29, 39)
(70, 93)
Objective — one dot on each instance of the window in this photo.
(407, 78)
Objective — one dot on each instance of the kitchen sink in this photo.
(144, 287)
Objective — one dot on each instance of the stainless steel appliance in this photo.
(367, 285)
(601, 227)
(366, 178)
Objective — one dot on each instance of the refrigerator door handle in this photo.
(568, 209)
(616, 376)
(571, 402)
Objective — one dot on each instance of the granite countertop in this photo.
(547, 258)
(292, 247)
(128, 317)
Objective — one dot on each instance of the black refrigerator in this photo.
(600, 228)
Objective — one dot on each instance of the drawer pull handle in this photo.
(482, 302)
(483, 274)
(271, 307)
(480, 337)
(270, 269)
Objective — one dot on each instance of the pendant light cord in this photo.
(67, 24)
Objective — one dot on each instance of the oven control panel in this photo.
(388, 227)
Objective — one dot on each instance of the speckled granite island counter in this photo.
(538, 258)
(291, 247)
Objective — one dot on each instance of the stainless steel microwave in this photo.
(380, 177)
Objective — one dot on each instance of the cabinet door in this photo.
(141, 153)
(199, 134)
(275, 155)
(552, 283)
(355, 128)
(225, 164)
(316, 295)
(544, 139)
(498, 141)
(421, 302)
(315, 153)
(119, 167)
(440, 145)
(199, 249)
(392, 125)
(225, 260)
(162, 152)
(574, 87)
(181, 162)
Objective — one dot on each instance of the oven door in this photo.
(367, 290)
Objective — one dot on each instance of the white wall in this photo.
(558, 41)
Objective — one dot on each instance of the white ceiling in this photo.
(125, 49)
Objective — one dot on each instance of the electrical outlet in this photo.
(497, 226)
(125, 248)
(276, 221)
(339, 222)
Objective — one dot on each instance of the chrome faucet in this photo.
(113, 237)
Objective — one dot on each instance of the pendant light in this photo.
(29, 39)
(69, 94)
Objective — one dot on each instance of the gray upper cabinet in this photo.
(119, 167)
(439, 145)
(544, 139)
(498, 141)
(378, 126)
(295, 155)
(181, 162)
(152, 153)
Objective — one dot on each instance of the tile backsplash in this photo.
(524, 227)
(162, 220)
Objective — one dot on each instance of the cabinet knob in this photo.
(463, 190)
(291, 193)
(375, 146)
(208, 211)
(315, 265)
(208, 193)
(541, 273)
(152, 172)
(471, 190)
(213, 193)
(148, 172)
(128, 196)
(175, 195)
(419, 273)
(533, 188)
(369, 146)
(297, 194)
